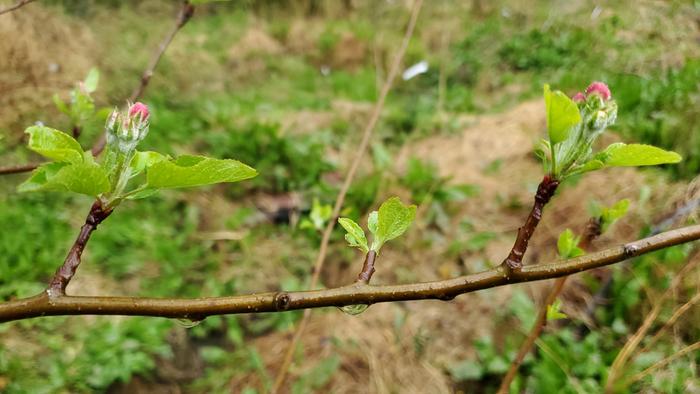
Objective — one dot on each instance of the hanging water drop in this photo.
(353, 310)
(188, 322)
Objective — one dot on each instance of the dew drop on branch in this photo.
(353, 310)
(189, 323)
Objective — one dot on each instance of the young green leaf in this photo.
(554, 311)
(90, 83)
(143, 160)
(373, 222)
(393, 219)
(189, 171)
(355, 235)
(141, 193)
(634, 155)
(562, 115)
(320, 213)
(83, 178)
(54, 144)
(60, 104)
(567, 245)
(610, 215)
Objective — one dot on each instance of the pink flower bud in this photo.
(139, 109)
(579, 97)
(599, 88)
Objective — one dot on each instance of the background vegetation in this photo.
(287, 87)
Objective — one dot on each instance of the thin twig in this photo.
(18, 169)
(340, 199)
(183, 17)
(200, 308)
(545, 191)
(367, 268)
(636, 339)
(15, 6)
(593, 230)
(60, 280)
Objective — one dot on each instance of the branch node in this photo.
(282, 301)
(630, 250)
(446, 296)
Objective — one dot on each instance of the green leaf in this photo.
(591, 165)
(373, 222)
(60, 104)
(567, 245)
(634, 155)
(562, 115)
(189, 171)
(142, 193)
(355, 235)
(90, 83)
(467, 370)
(83, 178)
(320, 213)
(143, 160)
(393, 219)
(554, 311)
(54, 144)
(609, 216)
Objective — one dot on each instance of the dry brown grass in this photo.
(42, 52)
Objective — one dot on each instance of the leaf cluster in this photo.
(391, 220)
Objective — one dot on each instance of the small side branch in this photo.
(349, 177)
(199, 308)
(367, 268)
(593, 231)
(60, 280)
(514, 262)
(18, 169)
(19, 4)
(183, 17)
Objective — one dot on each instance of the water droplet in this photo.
(189, 323)
(354, 309)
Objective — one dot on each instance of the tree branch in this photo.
(593, 230)
(514, 262)
(18, 169)
(200, 308)
(325, 238)
(60, 280)
(183, 17)
(15, 6)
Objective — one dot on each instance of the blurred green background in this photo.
(287, 87)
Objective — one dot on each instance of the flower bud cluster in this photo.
(126, 130)
(598, 111)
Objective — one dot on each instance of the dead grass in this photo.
(42, 52)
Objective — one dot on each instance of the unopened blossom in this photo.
(600, 89)
(579, 97)
(126, 129)
(139, 109)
